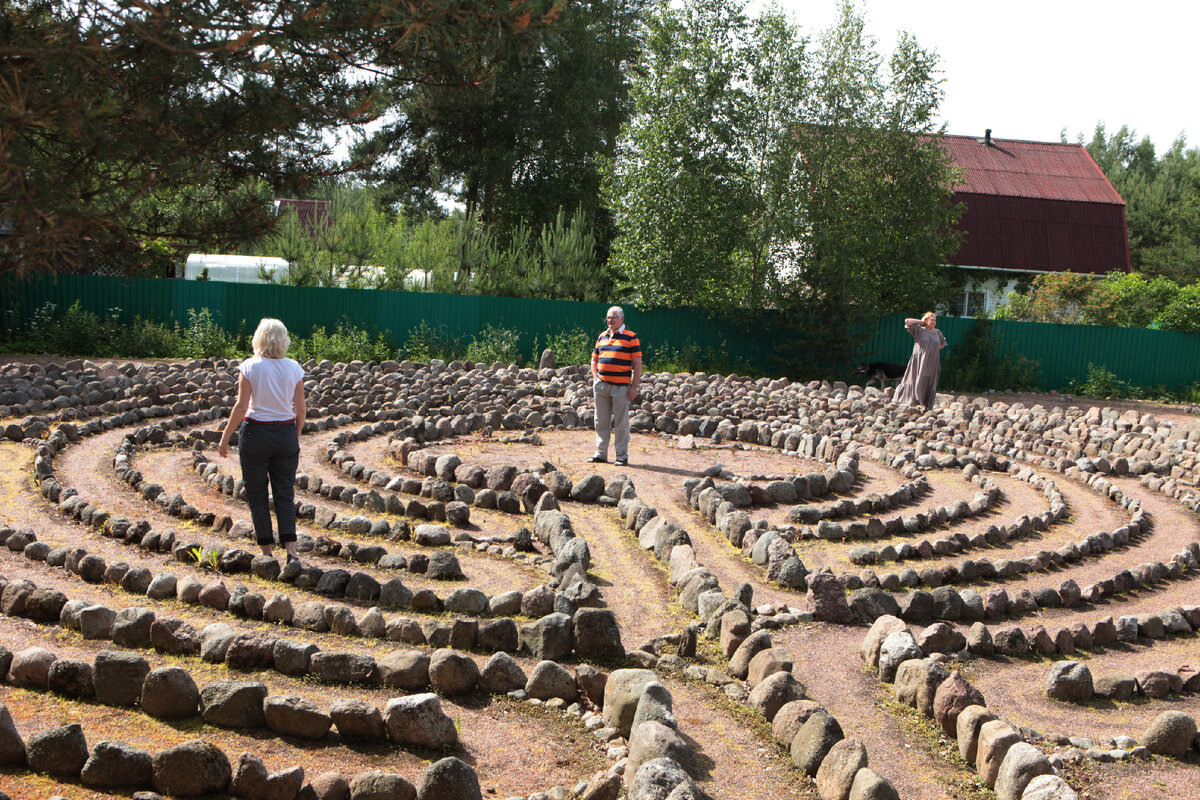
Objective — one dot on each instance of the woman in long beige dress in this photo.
(919, 384)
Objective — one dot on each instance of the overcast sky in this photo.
(1029, 68)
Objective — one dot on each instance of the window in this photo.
(969, 304)
(976, 304)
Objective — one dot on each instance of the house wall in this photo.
(986, 292)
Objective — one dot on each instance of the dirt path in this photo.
(86, 466)
(515, 748)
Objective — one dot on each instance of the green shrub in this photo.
(145, 338)
(1182, 312)
(977, 364)
(76, 332)
(425, 343)
(666, 357)
(495, 343)
(204, 338)
(570, 347)
(1100, 382)
(346, 343)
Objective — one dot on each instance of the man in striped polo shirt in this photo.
(616, 373)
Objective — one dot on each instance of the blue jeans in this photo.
(270, 454)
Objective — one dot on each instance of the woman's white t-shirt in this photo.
(273, 385)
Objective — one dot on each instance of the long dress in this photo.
(919, 384)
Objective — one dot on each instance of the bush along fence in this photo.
(1043, 355)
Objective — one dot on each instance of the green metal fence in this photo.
(1139, 356)
(395, 314)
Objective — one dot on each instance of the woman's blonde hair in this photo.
(927, 315)
(271, 339)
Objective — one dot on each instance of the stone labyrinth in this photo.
(794, 590)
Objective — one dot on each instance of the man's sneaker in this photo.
(597, 460)
(622, 462)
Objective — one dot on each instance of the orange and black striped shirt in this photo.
(615, 353)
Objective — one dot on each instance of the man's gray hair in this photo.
(620, 311)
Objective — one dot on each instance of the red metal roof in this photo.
(312, 213)
(1042, 170)
(1032, 233)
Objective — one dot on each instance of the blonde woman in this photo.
(919, 384)
(268, 416)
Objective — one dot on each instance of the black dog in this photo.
(881, 371)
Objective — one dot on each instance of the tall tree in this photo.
(679, 183)
(761, 169)
(105, 107)
(524, 143)
(1162, 200)
(876, 184)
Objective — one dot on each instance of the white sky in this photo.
(1029, 68)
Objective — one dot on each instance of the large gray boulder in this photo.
(597, 634)
(622, 692)
(1049, 787)
(656, 780)
(131, 627)
(170, 693)
(869, 604)
(252, 781)
(655, 704)
(453, 673)
(774, 692)
(449, 779)
(653, 740)
(501, 674)
(838, 769)
(295, 716)
(404, 669)
(191, 769)
(30, 668)
(1170, 734)
(917, 682)
(357, 719)
(234, 704)
(549, 680)
(739, 664)
(897, 647)
(967, 727)
(881, 628)
(870, 785)
(344, 668)
(378, 785)
(60, 752)
(1069, 680)
(117, 677)
(995, 739)
(1021, 764)
(419, 720)
(814, 740)
(549, 638)
(116, 765)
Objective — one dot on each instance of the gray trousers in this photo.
(612, 414)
